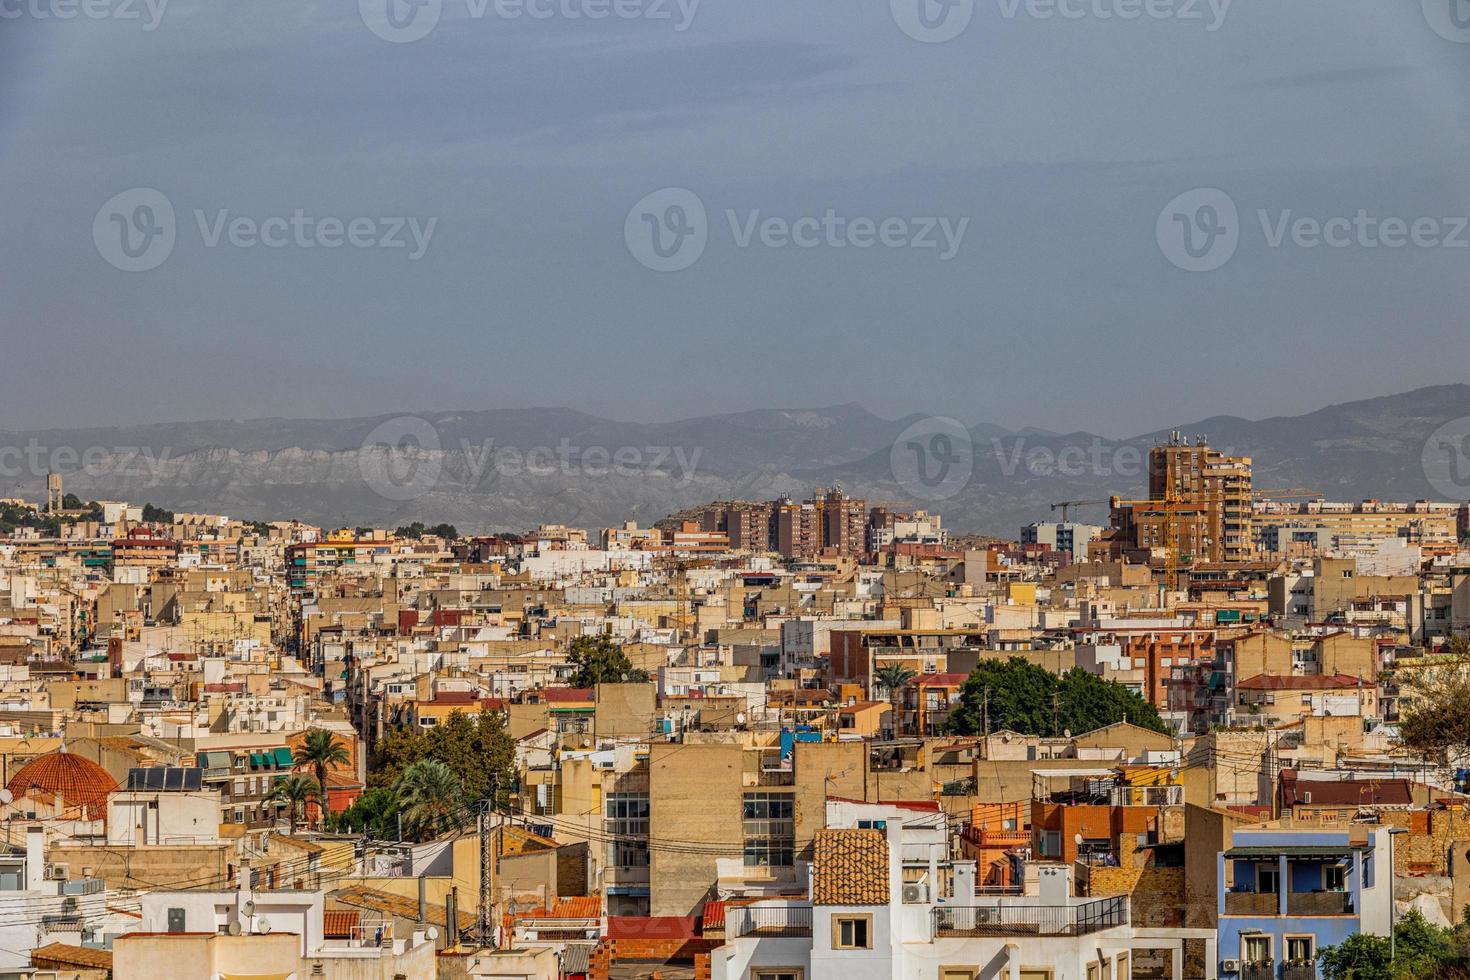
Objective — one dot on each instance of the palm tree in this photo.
(321, 750)
(295, 790)
(430, 795)
(891, 678)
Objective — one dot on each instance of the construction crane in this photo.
(1066, 505)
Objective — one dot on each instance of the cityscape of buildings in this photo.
(757, 740)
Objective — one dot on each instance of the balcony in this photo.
(1257, 971)
(1319, 903)
(1306, 971)
(1297, 903)
(1251, 903)
(1018, 919)
(768, 921)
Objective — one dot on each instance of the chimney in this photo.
(35, 858)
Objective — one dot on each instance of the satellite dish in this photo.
(433, 933)
(234, 928)
(6, 796)
(1077, 839)
(263, 926)
(248, 908)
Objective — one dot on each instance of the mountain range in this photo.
(512, 469)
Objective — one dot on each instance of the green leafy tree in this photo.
(479, 751)
(1360, 957)
(447, 531)
(1030, 699)
(157, 515)
(412, 531)
(1423, 950)
(321, 750)
(295, 791)
(398, 749)
(598, 660)
(1434, 723)
(431, 796)
(375, 813)
(71, 502)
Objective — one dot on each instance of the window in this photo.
(852, 932)
(770, 829)
(1255, 949)
(1094, 972)
(1300, 949)
(627, 816)
(778, 974)
(1120, 968)
(958, 973)
(1268, 879)
(1334, 878)
(872, 824)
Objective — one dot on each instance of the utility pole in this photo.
(487, 860)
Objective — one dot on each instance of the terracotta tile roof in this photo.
(714, 915)
(373, 900)
(575, 907)
(939, 680)
(339, 923)
(850, 868)
(62, 956)
(567, 694)
(1310, 682)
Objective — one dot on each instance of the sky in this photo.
(1100, 214)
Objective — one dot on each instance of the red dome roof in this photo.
(79, 781)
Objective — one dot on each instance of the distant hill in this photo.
(512, 469)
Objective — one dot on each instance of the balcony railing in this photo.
(1257, 971)
(1319, 903)
(1297, 903)
(1304, 972)
(768, 921)
(1018, 919)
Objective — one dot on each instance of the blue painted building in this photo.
(1285, 893)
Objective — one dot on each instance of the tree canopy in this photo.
(598, 660)
(1424, 950)
(478, 752)
(1433, 721)
(1027, 698)
(417, 530)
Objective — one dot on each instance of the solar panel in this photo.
(166, 779)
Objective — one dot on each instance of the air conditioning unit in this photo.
(915, 894)
(58, 872)
(985, 917)
(1230, 966)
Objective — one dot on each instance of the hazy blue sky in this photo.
(528, 140)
